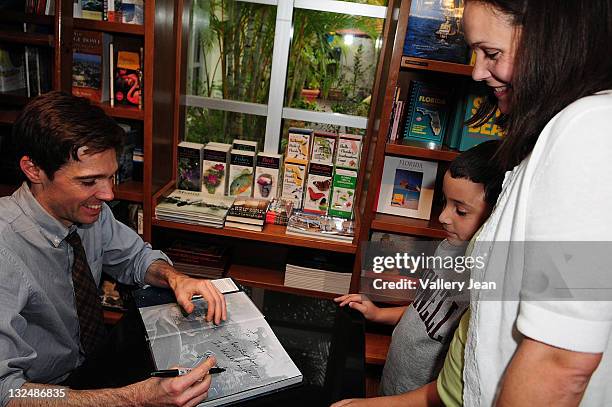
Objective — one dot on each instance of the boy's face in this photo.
(465, 208)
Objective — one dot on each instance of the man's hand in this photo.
(162, 274)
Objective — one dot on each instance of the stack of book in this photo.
(321, 227)
(279, 211)
(319, 271)
(194, 208)
(247, 213)
(199, 260)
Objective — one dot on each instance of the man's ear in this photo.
(32, 171)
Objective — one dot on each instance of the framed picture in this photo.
(407, 187)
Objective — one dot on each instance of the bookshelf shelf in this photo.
(123, 112)
(269, 279)
(271, 233)
(376, 348)
(413, 150)
(17, 37)
(398, 224)
(8, 116)
(15, 17)
(129, 191)
(106, 26)
(436, 66)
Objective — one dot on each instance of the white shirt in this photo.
(562, 192)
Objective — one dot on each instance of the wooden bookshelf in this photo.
(107, 26)
(8, 116)
(129, 191)
(123, 112)
(270, 279)
(18, 37)
(409, 226)
(271, 234)
(435, 66)
(415, 150)
(16, 17)
(376, 348)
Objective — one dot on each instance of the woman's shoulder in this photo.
(591, 104)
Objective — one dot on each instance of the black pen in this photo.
(182, 371)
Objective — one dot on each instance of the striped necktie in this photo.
(89, 308)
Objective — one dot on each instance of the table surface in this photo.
(325, 342)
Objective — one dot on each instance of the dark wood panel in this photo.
(419, 151)
(123, 112)
(107, 26)
(129, 191)
(16, 17)
(410, 226)
(436, 66)
(16, 37)
(376, 348)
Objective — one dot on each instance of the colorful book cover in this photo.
(343, 194)
(316, 199)
(407, 187)
(90, 65)
(242, 167)
(248, 210)
(428, 112)
(349, 151)
(132, 12)
(215, 168)
(470, 135)
(246, 145)
(279, 211)
(92, 9)
(435, 31)
(323, 147)
(125, 155)
(190, 156)
(293, 183)
(12, 71)
(298, 146)
(267, 175)
(128, 76)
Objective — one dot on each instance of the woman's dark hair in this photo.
(477, 165)
(562, 56)
(52, 127)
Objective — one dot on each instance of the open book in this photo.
(244, 345)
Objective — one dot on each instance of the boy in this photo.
(425, 328)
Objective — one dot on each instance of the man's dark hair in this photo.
(477, 165)
(52, 127)
(562, 56)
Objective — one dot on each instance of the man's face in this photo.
(76, 193)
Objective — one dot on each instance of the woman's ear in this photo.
(32, 171)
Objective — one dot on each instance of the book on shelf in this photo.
(293, 183)
(427, 112)
(246, 145)
(127, 81)
(279, 211)
(349, 151)
(189, 166)
(267, 175)
(90, 65)
(199, 259)
(397, 115)
(407, 187)
(243, 226)
(248, 210)
(138, 163)
(12, 68)
(188, 340)
(92, 9)
(298, 146)
(242, 168)
(318, 271)
(126, 155)
(320, 226)
(215, 169)
(316, 199)
(342, 198)
(474, 135)
(194, 208)
(323, 147)
(132, 12)
(435, 31)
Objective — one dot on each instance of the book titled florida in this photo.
(435, 31)
(428, 112)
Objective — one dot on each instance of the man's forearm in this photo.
(542, 375)
(160, 274)
(34, 394)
